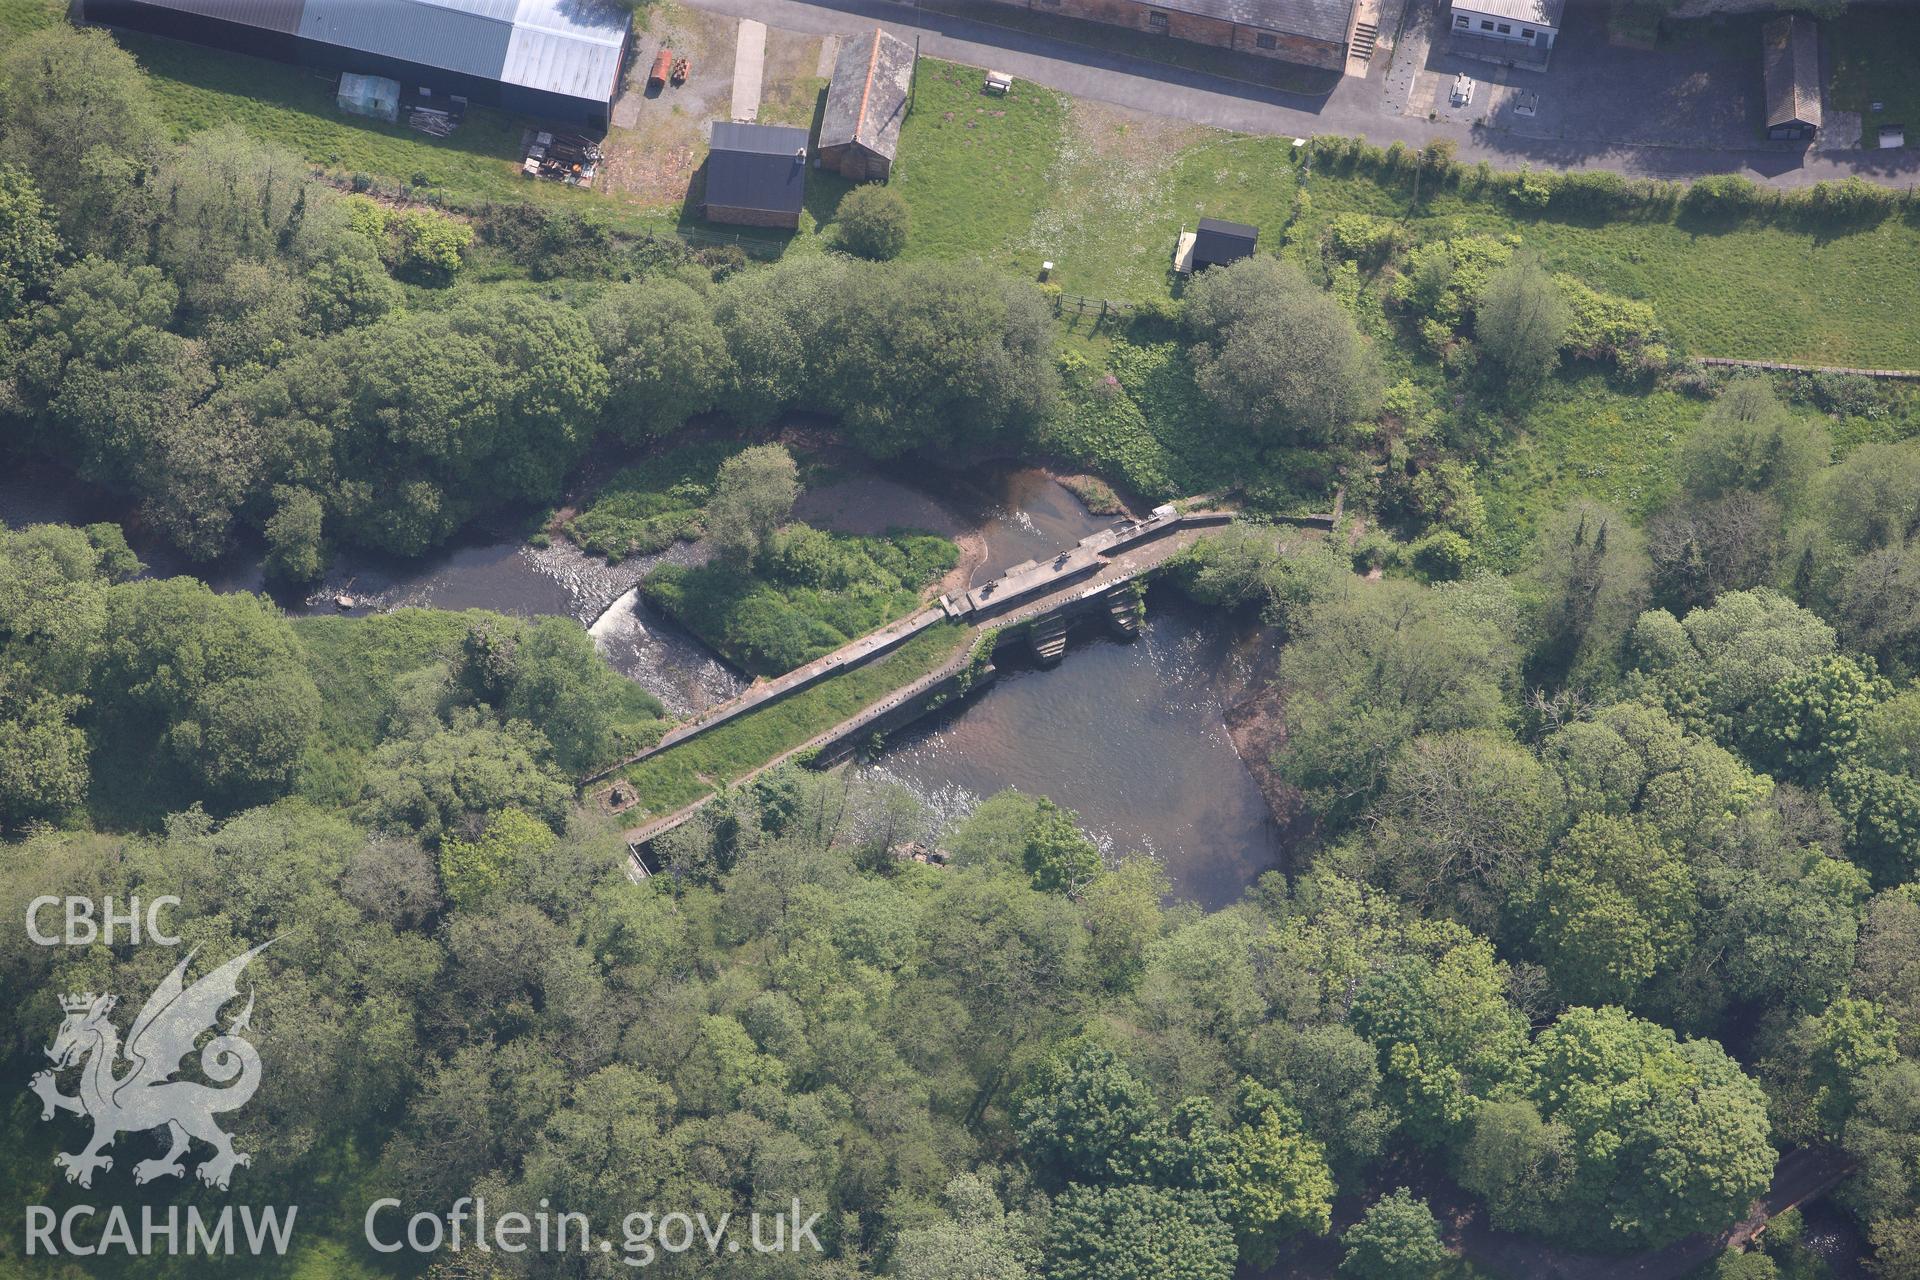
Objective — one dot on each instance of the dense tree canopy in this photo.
(1276, 355)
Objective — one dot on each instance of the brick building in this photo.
(756, 175)
(1310, 32)
(860, 130)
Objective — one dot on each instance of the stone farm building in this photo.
(555, 60)
(1790, 47)
(1313, 33)
(756, 175)
(865, 104)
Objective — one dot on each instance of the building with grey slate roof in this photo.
(1790, 53)
(756, 175)
(553, 59)
(860, 131)
(1313, 33)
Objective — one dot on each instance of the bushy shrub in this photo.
(1724, 195)
(428, 247)
(1441, 554)
(873, 222)
(1364, 238)
(1608, 327)
(1531, 190)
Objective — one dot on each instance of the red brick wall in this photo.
(1196, 30)
(750, 217)
(1312, 53)
(851, 160)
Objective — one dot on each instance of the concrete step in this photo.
(1048, 640)
(1365, 36)
(1123, 616)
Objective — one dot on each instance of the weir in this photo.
(1031, 605)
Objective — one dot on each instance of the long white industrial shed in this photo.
(554, 59)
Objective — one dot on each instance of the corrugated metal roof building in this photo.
(555, 59)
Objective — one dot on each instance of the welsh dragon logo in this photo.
(145, 1096)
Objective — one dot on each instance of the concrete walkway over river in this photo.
(1091, 570)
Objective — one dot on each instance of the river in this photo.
(1130, 735)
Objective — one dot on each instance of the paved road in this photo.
(1355, 107)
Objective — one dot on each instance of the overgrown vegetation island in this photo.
(1601, 749)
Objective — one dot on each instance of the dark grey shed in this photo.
(1790, 47)
(1216, 243)
(756, 174)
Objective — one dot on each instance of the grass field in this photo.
(684, 773)
(1747, 290)
(1032, 177)
(973, 168)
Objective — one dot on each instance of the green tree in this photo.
(873, 222)
(473, 871)
(934, 356)
(1871, 499)
(978, 1241)
(1718, 662)
(1135, 1233)
(1275, 1183)
(29, 245)
(1888, 967)
(1586, 584)
(446, 782)
(43, 754)
(666, 358)
(80, 119)
(1747, 440)
(1520, 318)
(1882, 811)
(1461, 825)
(1518, 1163)
(1877, 606)
(1669, 1136)
(218, 681)
(1745, 1266)
(752, 496)
(428, 248)
(229, 198)
(296, 536)
(1883, 1138)
(1896, 1247)
(1085, 1118)
(1276, 355)
(1444, 1031)
(1617, 906)
(556, 679)
(1057, 854)
(345, 291)
(1369, 672)
(1809, 721)
(1397, 1239)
